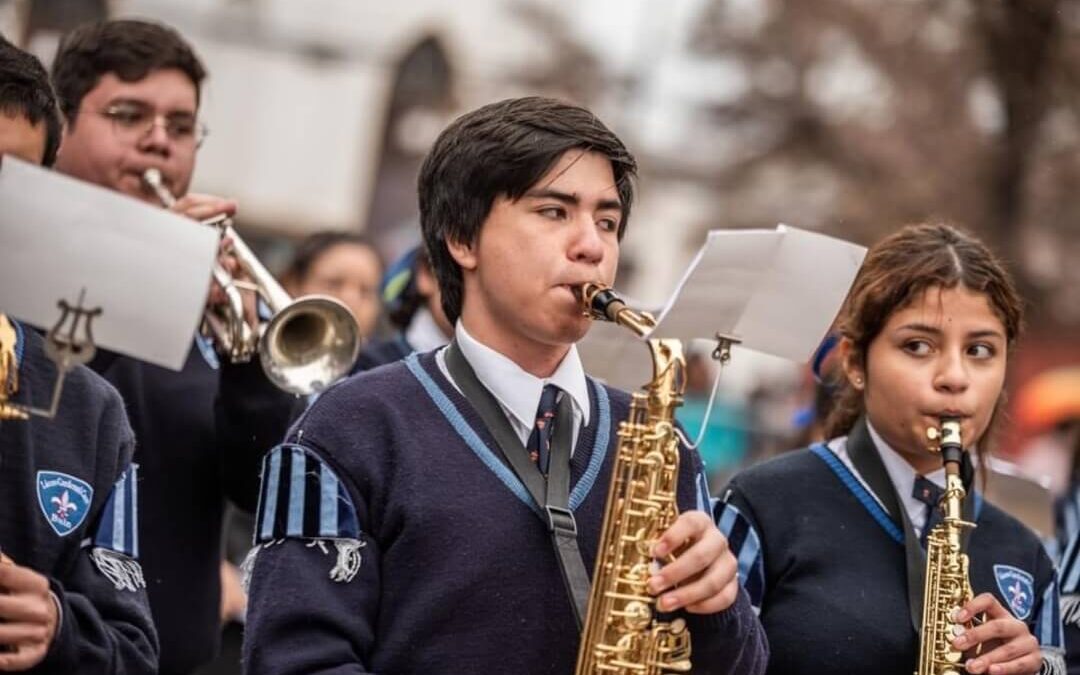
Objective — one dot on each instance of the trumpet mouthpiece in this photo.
(153, 179)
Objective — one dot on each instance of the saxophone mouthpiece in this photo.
(604, 304)
(946, 440)
(599, 302)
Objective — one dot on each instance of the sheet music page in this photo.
(148, 269)
(777, 291)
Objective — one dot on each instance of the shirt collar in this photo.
(423, 333)
(517, 390)
(902, 474)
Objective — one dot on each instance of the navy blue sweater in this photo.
(826, 566)
(58, 502)
(201, 434)
(456, 571)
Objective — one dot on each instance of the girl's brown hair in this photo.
(897, 271)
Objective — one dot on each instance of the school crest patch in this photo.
(1017, 586)
(65, 500)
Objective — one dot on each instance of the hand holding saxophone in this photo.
(703, 579)
(1007, 644)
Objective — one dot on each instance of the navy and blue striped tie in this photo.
(539, 445)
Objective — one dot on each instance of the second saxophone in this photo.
(947, 585)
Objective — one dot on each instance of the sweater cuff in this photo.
(728, 621)
(63, 652)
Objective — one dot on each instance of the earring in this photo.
(858, 381)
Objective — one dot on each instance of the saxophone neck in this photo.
(951, 447)
(604, 304)
(668, 383)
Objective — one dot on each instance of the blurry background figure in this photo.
(413, 305)
(723, 447)
(343, 265)
(1048, 407)
(819, 391)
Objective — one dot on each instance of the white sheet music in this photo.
(777, 291)
(146, 268)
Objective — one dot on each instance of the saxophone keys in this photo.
(953, 656)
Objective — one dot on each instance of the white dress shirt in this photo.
(517, 391)
(423, 333)
(900, 473)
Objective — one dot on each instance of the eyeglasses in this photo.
(133, 122)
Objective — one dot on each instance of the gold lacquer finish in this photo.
(9, 372)
(947, 586)
(622, 634)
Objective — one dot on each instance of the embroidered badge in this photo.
(65, 500)
(1017, 586)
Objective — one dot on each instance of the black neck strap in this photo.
(551, 493)
(864, 456)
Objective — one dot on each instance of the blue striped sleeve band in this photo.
(746, 546)
(1048, 629)
(302, 498)
(118, 526)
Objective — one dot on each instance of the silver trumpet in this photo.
(308, 343)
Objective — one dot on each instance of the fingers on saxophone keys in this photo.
(984, 603)
(1021, 655)
(692, 561)
(705, 590)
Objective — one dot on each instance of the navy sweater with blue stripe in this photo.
(825, 565)
(456, 571)
(77, 458)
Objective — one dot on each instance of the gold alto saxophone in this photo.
(621, 634)
(947, 586)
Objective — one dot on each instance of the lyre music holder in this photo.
(66, 349)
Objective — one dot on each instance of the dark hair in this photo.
(897, 271)
(501, 150)
(25, 91)
(312, 247)
(127, 48)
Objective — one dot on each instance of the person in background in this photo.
(130, 92)
(413, 306)
(343, 265)
(72, 594)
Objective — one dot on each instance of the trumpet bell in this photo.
(310, 344)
